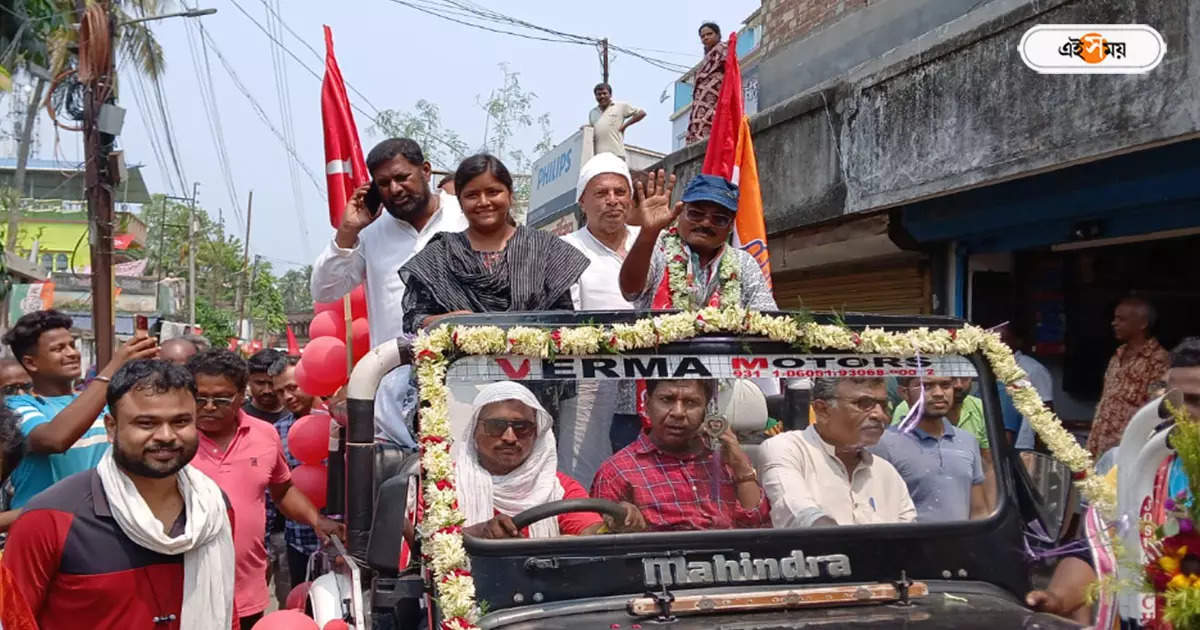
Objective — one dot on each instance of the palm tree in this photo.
(41, 37)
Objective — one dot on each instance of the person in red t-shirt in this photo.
(507, 462)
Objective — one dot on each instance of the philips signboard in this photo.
(555, 175)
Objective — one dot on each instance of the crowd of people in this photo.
(142, 500)
(161, 490)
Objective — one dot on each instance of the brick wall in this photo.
(787, 20)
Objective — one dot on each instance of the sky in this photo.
(395, 55)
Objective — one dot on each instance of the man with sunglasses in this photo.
(245, 457)
(824, 475)
(14, 379)
(703, 261)
(507, 462)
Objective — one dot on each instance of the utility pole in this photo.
(162, 236)
(250, 292)
(192, 257)
(604, 49)
(239, 302)
(98, 182)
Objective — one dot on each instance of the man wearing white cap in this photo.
(606, 196)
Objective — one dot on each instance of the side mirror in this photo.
(1051, 492)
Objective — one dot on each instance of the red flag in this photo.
(345, 168)
(721, 155)
(293, 346)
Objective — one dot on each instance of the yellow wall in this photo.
(54, 238)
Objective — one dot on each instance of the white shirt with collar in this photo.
(804, 480)
(598, 288)
(383, 247)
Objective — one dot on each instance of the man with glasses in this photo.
(940, 462)
(245, 457)
(13, 378)
(507, 463)
(705, 263)
(824, 474)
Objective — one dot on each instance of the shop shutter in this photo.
(898, 288)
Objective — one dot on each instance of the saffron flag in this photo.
(730, 154)
(345, 168)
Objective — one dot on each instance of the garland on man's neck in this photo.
(680, 282)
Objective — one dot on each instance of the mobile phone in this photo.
(141, 326)
(373, 200)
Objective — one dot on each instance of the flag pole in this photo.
(349, 335)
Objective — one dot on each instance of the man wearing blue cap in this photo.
(691, 266)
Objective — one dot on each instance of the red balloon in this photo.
(361, 332)
(311, 479)
(336, 624)
(297, 596)
(324, 361)
(286, 620)
(308, 439)
(312, 385)
(358, 302)
(321, 307)
(327, 324)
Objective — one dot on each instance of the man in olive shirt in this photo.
(610, 119)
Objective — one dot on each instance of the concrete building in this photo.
(54, 215)
(911, 162)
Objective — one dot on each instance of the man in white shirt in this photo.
(606, 195)
(824, 475)
(610, 119)
(371, 246)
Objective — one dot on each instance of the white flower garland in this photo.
(679, 281)
(441, 526)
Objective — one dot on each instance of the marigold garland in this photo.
(442, 528)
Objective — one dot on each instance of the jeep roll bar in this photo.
(360, 441)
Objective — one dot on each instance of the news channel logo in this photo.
(1092, 48)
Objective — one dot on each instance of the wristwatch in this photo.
(750, 476)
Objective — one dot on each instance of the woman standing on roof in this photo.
(492, 266)
(709, 78)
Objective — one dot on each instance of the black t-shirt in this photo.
(269, 416)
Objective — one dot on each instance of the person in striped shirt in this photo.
(63, 430)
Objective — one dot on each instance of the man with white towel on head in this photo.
(506, 463)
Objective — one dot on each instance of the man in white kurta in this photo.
(824, 475)
(605, 192)
(372, 249)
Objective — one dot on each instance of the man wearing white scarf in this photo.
(142, 541)
(507, 462)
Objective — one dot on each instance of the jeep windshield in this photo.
(924, 498)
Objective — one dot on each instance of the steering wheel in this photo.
(565, 506)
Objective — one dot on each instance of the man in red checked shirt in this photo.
(668, 472)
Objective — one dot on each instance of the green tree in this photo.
(443, 147)
(510, 111)
(295, 288)
(219, 267)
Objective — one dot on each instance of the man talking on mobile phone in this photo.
(371, 245)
